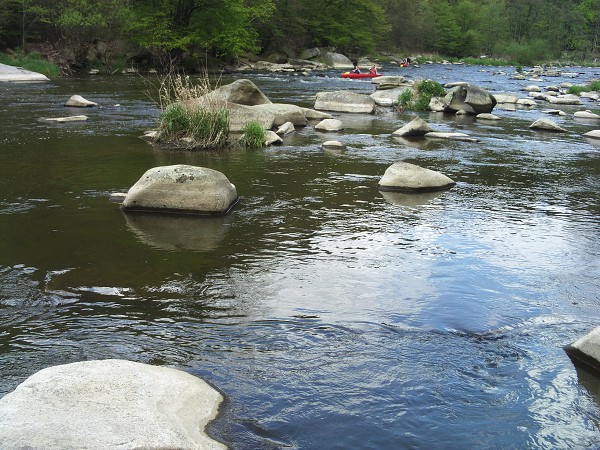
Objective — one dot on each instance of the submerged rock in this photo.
(109, 404)
(182, 189)
(406, 177)
(66, 119)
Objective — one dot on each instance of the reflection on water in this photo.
(382, 320)
(171, 232)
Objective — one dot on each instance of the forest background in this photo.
(519, 31)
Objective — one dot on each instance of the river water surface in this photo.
(329, 314)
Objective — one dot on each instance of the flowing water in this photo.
(329, 314)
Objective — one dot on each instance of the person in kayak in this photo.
(356, 69)
(373, 70)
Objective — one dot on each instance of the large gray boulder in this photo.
(335, 60)
(182, 189)
(416, 127)
(586, 351)
(406, 177)
(109, 404)
(594, 134)
(344, 101)
(241, 115)
(242, 92)
(469, 98)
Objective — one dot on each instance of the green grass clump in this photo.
(577, 89)
(418, 100)
(33, 61)
(190, 118)
(254, 135)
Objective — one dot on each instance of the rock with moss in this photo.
(182, 189)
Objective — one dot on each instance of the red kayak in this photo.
(360, 75)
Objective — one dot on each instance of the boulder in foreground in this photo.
(406, 177)
(182, 189)
(109, 404)
(585, 352)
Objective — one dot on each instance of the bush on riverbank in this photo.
(32, 61)
(578, 88)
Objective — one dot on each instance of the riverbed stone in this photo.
(330, 125)
(487, 116)
(333, 145)
(67, 119)
(546, 125)
(568, 99)
(390, 82)
(182, 189)
(416, 127)
(241, 92)
(587, 114)
(109, 403)
(286, 128)
(470, 98)
(335, 60)
(526, 102)
(506, 98)
(387, 97)
(406, 177)
(344, 101)
(554, 112)
(272, 138)
(78, 101)
(451, 135)
(594, 134)
(585, 351)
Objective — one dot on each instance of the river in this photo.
(329, 314)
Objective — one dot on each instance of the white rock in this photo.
(330, 125)
(79, 102)
(272, 138)
(333, 145)
(286, 128)
(454, 136)
(595, 134)
(109, 404)
(67, 119)
(416, 127)
(487, 116)
(546, 125)
(587, 114)
(406, 177)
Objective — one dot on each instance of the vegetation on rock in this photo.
(253, 135)
(419, 98)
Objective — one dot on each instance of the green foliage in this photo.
(32, 61)
(253, 135)
(528, 54)
(431, 88)
(425, 91)
(577, 89)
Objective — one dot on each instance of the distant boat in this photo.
(404, 64)
(360, 75)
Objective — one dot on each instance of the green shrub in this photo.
(578, 89)
(405, 98)
(254, 135)
(431, 88)
(595, 85)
